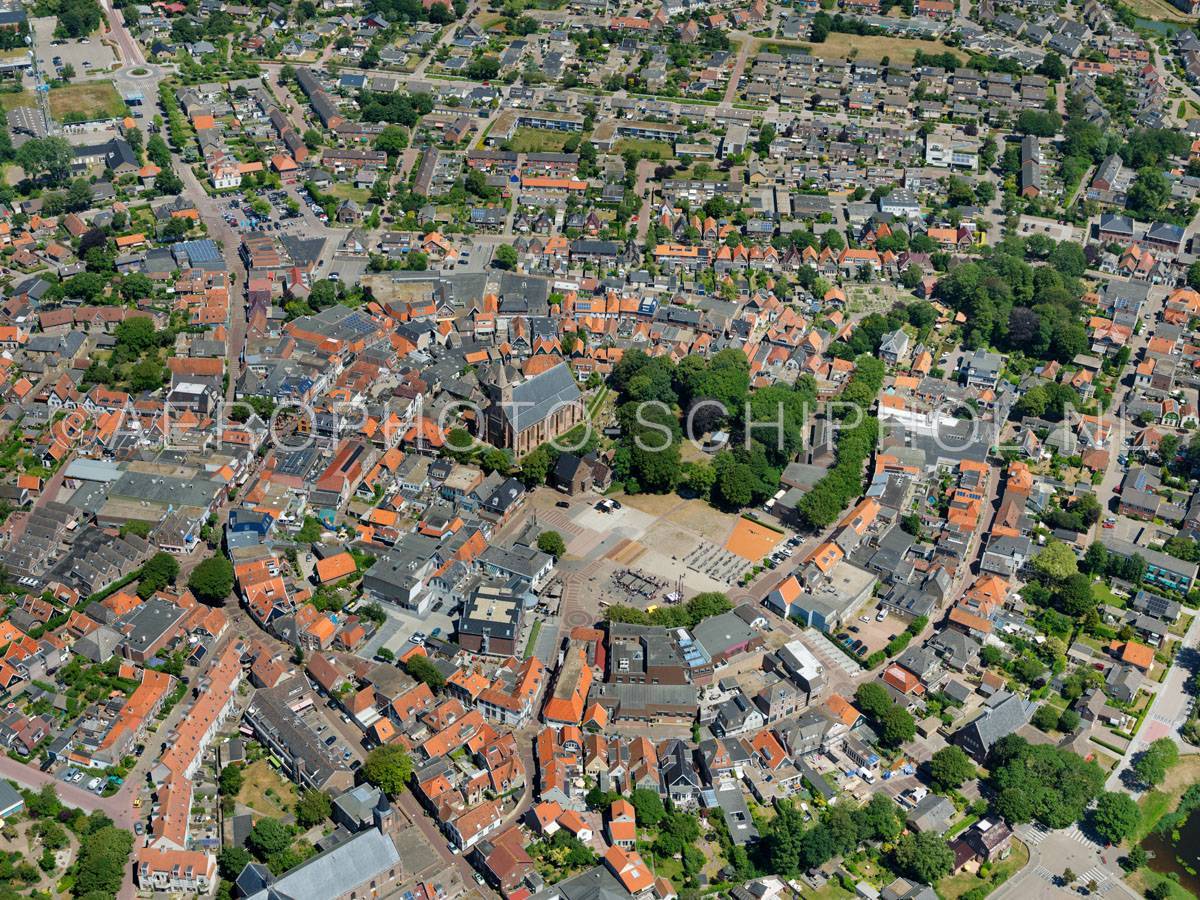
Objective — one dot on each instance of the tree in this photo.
(1041, 782)
(157, 572)
(1160, 891)
(1074, 597)
(898, 726)
(313, 808)
(1147, 196)
(146, 375)
(552, 542)
(79, 195)
(647, 806)
(1068, 875)
(1056, 561)
(1135, 859)
(1152, 765)
(44, 804)
(924, 856)
(392, 140)
(1115, 817)
(872, 698)
(505, 257)
(231, 779)
(388, 768)
(950, 768)
(231, 861)
(1052, 67)
(51, 157)
(268, 837)
(212, 580)
(1046, 717)
(100, 868)
(1095, 561)
(1039, 122)
(420, 668)
(880, 819)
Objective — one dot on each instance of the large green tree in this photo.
(388, 768)
(1115, 817)
(212, 580)
(924, 856)
(1155, 761)
(950, 768)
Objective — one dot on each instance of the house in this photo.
(893, 347)
(1003, 714)
(577, 475)
(933, 813)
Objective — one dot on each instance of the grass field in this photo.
(344, 191)
(1155, 804)
(875, 46)
(954, 886)
(21, 98)
(537, 140)
(266, 791)
(644, 145)
(1158, 9)
(1143, 879)
(91, 99)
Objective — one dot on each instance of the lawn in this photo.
(1155, 804)
(1102, 593)
(531, 644)
(1144, 879)
(876, 46)
(344, 191)
(1158, 9)
(265, 791)
(646, 147)
(538, 140)
(955, 886)
(1180, 628)
(92, 100)
(10, 100)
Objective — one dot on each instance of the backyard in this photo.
(954, 886)
(839, 45)
(265, 791)
(538, 140)
(646, 147)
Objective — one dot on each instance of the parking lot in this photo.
(87, 56)
(87, 780)
(402, 624)
(873, 633)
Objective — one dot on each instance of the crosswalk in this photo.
(1033, 834)
(1096, 874)
(1078, 836)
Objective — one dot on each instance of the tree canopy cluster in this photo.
(680, 615)
(1014, 306)
(844, 482)
(892, 722)
(661, 402)
(1041, 782)
(788, 847)
(398, 108)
